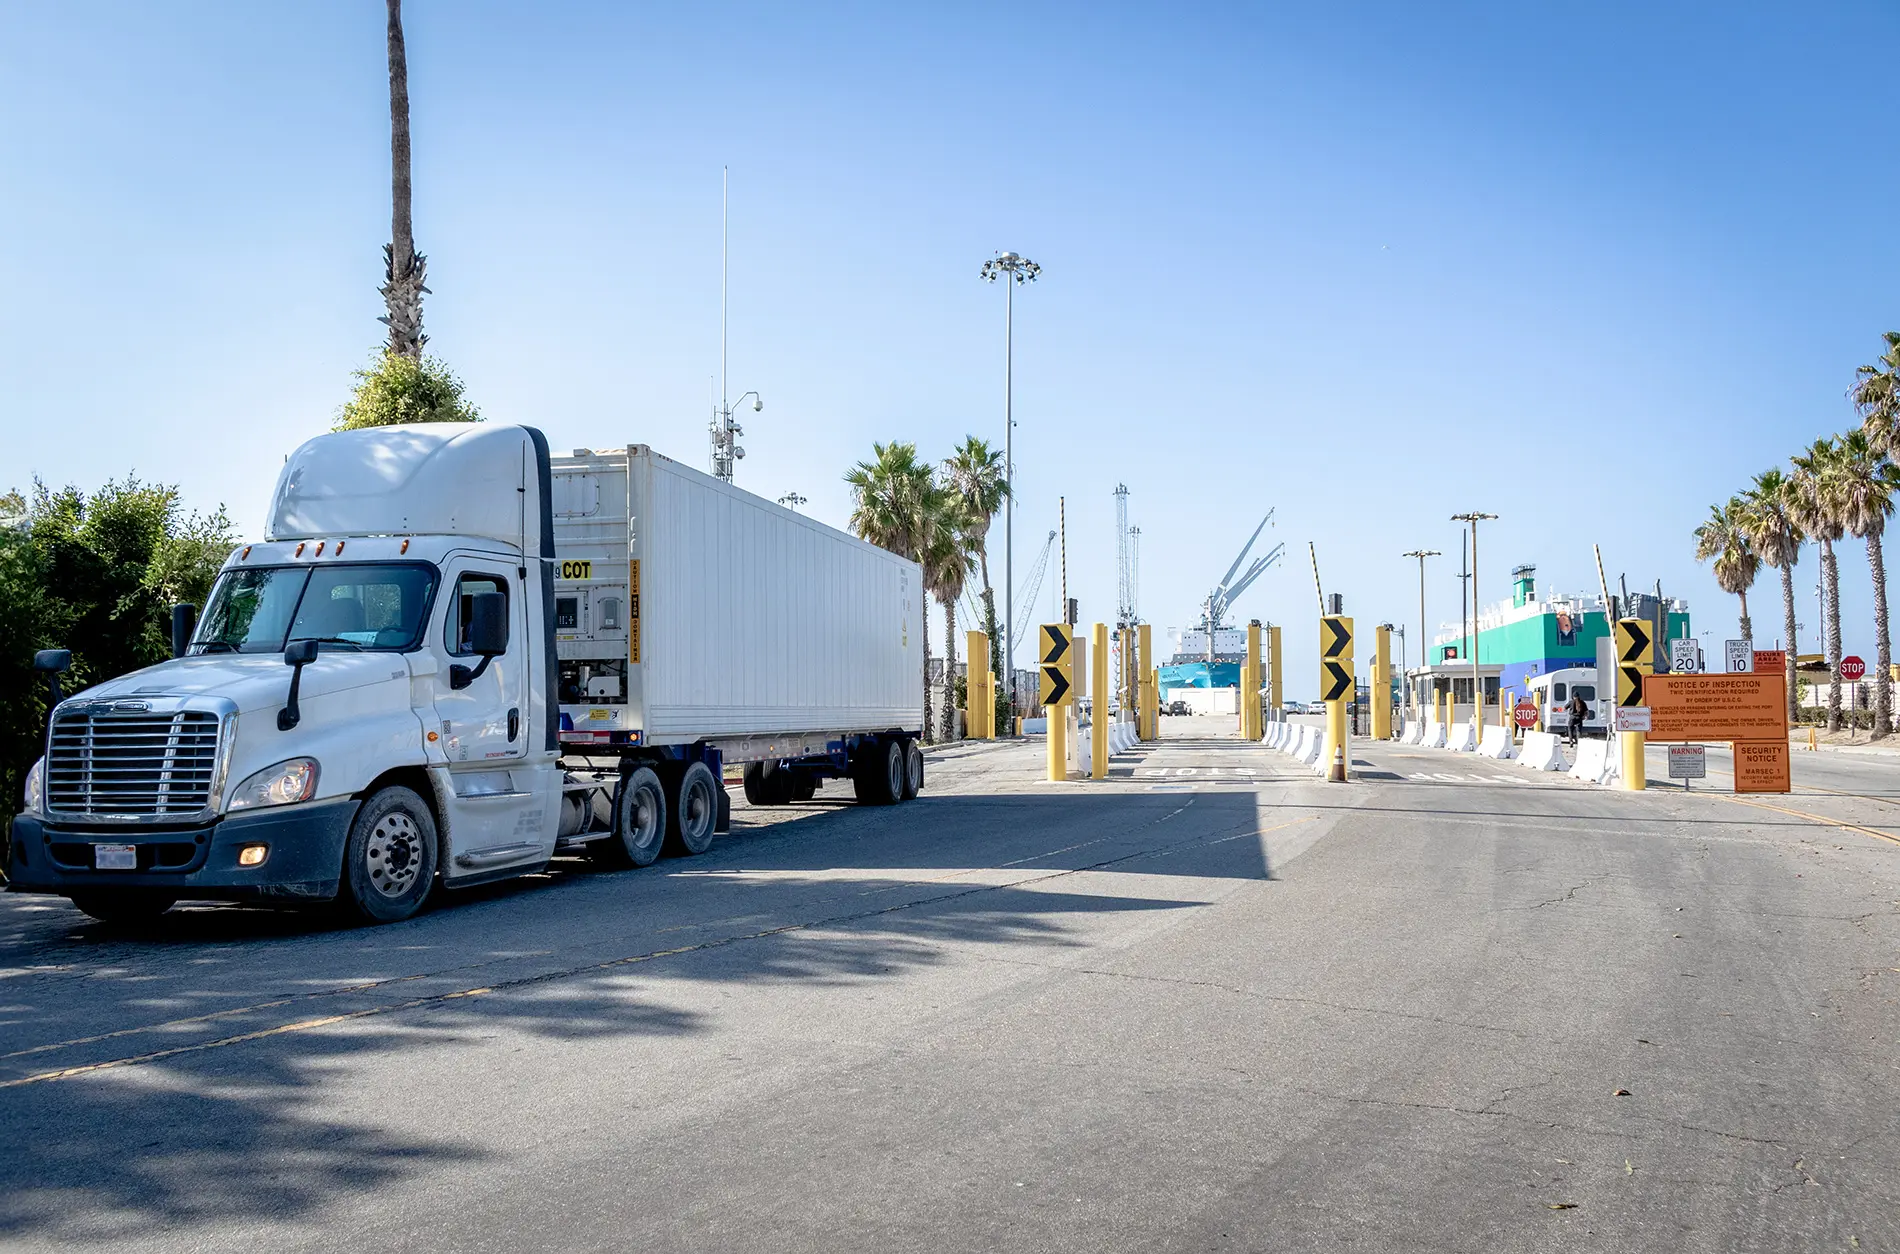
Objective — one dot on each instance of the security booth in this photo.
(1426, 686)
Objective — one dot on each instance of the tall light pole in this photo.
(726, 432)
(1423, 639)
(791, 501)
(1477, 686)
(1013, 270)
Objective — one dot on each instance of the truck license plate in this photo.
(115, 857)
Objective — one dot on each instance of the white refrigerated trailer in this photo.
(452, 656)
(691, 617)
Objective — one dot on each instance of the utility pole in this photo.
(1477, 685)
(1013, 270)
(1423, 639)
(726, 432)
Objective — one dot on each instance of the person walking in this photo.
(1578, 709)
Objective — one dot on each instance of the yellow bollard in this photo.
(1098, 716)
(1275, 693)
(1058, 725)
(979, 706)
(1144, 651)
(1250, 729)
(1382, 683)
(1337, 753)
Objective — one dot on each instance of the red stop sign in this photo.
(1852, 668)
(1525, 714)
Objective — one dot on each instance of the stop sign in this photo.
(1525, 714)
(1852, 668)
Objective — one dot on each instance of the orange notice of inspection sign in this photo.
(1718, 707)
(1762, 766)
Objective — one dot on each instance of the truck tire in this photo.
(389, 859)
(804, 785)
(125, 907)
(639, 823)
(879, 777)
(694, 814)
(769, 784)
(913, 770)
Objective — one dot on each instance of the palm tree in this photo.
(1814, 509)
(977, 475)
(1876, 394)
(894, 505)
(946, 561)
(1724, 537)
(403, 266)
(1864, 486)
(1777, 541)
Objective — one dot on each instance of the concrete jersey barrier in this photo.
(1593, 764)
(1460, 738)
(1434, 736)
(1496, 743)
(1542, 751)
(1312, 747)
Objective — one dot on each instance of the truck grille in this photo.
(103, 763)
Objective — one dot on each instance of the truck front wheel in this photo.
(695, 811)
(389, 859)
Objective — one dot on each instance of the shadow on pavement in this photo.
(236, 1022)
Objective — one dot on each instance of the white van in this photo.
(1552, 692)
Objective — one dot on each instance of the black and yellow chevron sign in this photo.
(1634, 659)
(1053, 664)
(1335, 636)
(1335, 680)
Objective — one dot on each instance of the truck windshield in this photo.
(381, 606)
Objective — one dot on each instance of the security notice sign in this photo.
(1762, 766)
(1717, 707)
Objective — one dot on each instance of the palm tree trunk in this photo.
(1788, 629)
(949, 670)
(928, 725)
(402, 266)
(1883, 645)
(1747, 624)
(1830, 578)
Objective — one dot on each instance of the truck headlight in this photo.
(295, 780)
(36, 787)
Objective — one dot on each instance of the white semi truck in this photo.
(453, 656)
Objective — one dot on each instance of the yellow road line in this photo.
(1815, 818)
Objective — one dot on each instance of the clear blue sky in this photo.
(1584, 267)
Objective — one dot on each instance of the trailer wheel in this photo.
(879, 777)
(770, 784)
(804, 785)
(913, 769)
(389, 859)
(639, 822)
(695, 811)
(124, 907)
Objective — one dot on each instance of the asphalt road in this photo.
(1210, 1005)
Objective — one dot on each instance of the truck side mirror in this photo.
(184, 620)
(297, 655)
(53, 663)
(486, 634)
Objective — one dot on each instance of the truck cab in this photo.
(365, 707)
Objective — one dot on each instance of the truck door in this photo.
(484, 722)
(502, 813)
